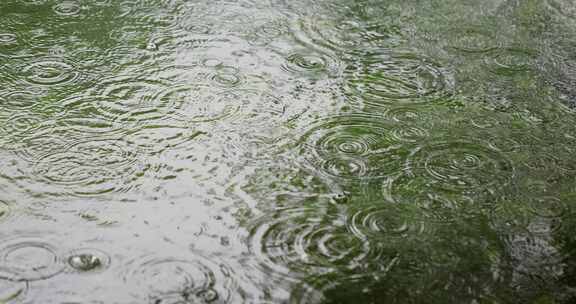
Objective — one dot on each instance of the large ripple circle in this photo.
(511, 61)
(90, 167)
(424, 201)
(132, 99)
(353, 147)
(311, 64)
(397, 78)
(182, 280)
(50, 72)
(376, 224)
(461, 166)
(29, 259)
(293, 242)
(200, 103)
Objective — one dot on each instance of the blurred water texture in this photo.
(271, 151)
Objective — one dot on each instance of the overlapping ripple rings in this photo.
(379, 224)
(343, 35)
(51, 71)
(392, 78)
(198, 103)
(422, 201)
(88, 168)
(354, 147)
(131, 98)
(296, 241)
(29, 259)
(460, 166)
(306, 63)
(182, 280)
(511, 61)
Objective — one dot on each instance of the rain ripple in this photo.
(173, 280)
(131, 98)
(266, 31)
(29, 259)
(380, 223)
(18, 125)
(473, 40)
(355, 147)
(458, 166)
(326, 33)
(510, 61)
(88, 168)
(88, 260)
(419, 199)
(52, 71)
(7, 38)
(343, 35)
(42, 143)
(310, 64)
(11, 45)
(19, 100)
(397, 78)
(207, 71)
(154, 140)
(67, 8)
(294, 242)
(200, 103)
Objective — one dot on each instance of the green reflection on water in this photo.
(287, 152)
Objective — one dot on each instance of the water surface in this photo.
(239, 151)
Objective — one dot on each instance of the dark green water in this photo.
(196, 151)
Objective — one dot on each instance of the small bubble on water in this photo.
(85, 262)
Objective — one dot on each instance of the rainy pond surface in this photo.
(297, 151)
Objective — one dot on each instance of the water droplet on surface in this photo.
(84, 262)
(88, 260)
